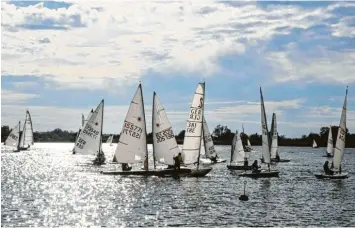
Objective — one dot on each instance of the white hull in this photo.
(335, 176)
(208, 161)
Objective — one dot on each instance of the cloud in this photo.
(95, 44)
(13, 97)
(317, 65)
(25, 84)
(345, 27)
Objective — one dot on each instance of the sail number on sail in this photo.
(90, 131)
(195, 114)
(165, 134)
(342, 135)
(132, 130)
(81, 143)
(14, 137)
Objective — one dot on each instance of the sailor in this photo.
(125, 167)
(245, 161)
(254, 166)
(145, 163)
(214, 159)
(326, 169)
(277, 157)
(178, 161)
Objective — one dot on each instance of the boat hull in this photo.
(238, 167)
(23, 148)
(325, 156)
(335, 176)
(208, 161)
(281, 160)
(263, 174)
(164, 172)
(199, 172)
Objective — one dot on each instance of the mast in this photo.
(29, 115)
(153, 114)
(145, 125)
(203, 107)
(19, 135)
(102, 121)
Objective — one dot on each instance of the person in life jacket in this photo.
(178, 161)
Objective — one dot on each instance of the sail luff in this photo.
(102, 123)
(330, 146)
(153, 123)
(340, 143)
(145, 127)
(201, 134)
(265, 132)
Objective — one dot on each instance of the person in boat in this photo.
(277, 157)
(326, 169)
(214, 159)
(178, 161)
(145, 164)
(255, 167)
(125, 167)
(246, 162)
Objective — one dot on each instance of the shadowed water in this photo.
(48, 186)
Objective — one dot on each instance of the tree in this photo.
(5, 131)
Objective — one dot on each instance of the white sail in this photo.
(208, 146)
(26, 138)
(249, 145)
(193, 132)
(265, 137)
(340, 143)
(89, 139)
(132, 144)
(109, 140)
(238, 150)
(330, 146)
(314, 144)
(274, 142)
(13, 138)
(164, 142)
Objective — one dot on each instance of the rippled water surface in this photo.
(48, 186)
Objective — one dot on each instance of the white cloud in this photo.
(13, 97)
(345, 27)
(103, 43)
(327, 66)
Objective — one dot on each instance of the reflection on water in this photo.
(48, 186)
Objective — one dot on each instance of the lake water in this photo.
(48, 186)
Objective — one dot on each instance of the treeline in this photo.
(222, 135)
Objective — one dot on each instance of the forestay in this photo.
(330, 146)
(26, 138)
(238, 153)
(274, 139)
(164, 143)
(13, 138)
(208, 145)
(265, 137)
(340, 143)
(193, 132)
(89, 139)
(132, 144)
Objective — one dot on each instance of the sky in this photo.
(59, 59)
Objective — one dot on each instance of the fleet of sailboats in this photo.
(198, 148)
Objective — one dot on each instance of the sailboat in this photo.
(21, 140)
(109, 140)
(191, 149)
(339, 148)
(238, 156)
(275, 154)
(89, 140)
(26, 137)
(265, 148)
(207, 147)
(13, 140)
(83, 121)
(314, 144)
(248, 147)
(330, 145)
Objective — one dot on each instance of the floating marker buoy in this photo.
(244, 197)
